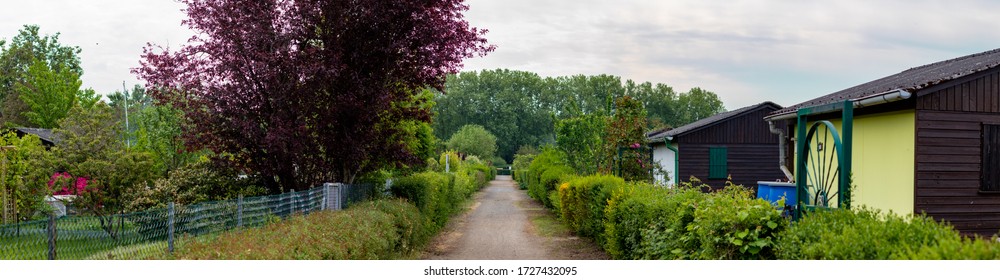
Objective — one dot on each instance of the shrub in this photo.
(732, 224)
(472, 139)
(544, 173)
(520, 169)
(385, 229)
(193, 183)
(953, 249)
(556, 202)
(584, 200)
(431, 192)
(866, 234)
(489, 173)
(643, 221)
(454, 162)
(647, 222)
(498, 162)
(549, 179)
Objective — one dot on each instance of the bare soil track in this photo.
(503, 223)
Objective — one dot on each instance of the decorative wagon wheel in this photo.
(822, 166)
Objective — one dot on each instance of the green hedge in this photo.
(546, 171)
(649, 222)
(584, 201)
(643, 221)
(439, 195)
(382, 229)
(431, 192)
(865, 234)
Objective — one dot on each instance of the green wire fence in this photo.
(153, 233)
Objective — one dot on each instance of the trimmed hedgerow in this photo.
(644, 221)
(866, 234)
(546, 171)
(649, 222)
(431, 192)
(584, 201)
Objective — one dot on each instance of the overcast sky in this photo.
(745, 51)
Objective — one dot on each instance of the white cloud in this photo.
(111, 34)
(746, 51)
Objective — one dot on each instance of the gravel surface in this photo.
(498, 226)
(495, 228)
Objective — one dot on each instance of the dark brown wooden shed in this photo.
(737, 144)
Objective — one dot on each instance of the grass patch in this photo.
(384, 229)
(547, 226)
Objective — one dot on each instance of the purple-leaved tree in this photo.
(309, 91)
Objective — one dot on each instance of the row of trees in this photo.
(523, 109)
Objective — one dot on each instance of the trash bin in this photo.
(764, 190)
(774, 191)
(786, 190)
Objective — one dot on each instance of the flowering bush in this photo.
(63, 184)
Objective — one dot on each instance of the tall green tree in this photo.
(625, 142)
(521, 108)
(48, 94)
(154, 129)
(510, 104)
(581, 139)
(698, 104)
(474, 140)
(17, 56)
(305, 92)
(21, 176)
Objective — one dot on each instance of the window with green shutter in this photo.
(717, 163)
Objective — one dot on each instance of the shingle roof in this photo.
(911, 80)
(44, 134)
(660, 134)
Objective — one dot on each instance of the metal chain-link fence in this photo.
(153, 233)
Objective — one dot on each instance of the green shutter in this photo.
(717, 163)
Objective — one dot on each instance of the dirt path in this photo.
(503, 223)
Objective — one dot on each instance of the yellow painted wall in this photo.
(883, 162)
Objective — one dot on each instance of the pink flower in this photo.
(635, 145)
(78, 187)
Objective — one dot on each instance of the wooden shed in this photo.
(736, 143)
(47, 136)
(925, 140)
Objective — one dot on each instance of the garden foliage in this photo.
(381, 229)
(633, 220)
(643, 221)
(866, 234)
(439, 195)
(311, 91)
(546, 171)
